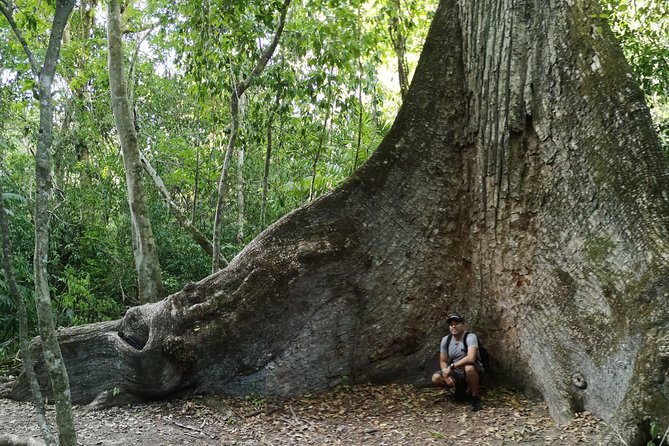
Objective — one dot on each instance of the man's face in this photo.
(456, 328)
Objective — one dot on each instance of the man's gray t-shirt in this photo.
(456, 350)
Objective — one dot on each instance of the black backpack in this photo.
(483, 356)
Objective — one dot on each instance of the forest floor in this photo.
(394, 415)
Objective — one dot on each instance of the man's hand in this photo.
(445, 375)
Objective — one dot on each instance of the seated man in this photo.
(459, 362)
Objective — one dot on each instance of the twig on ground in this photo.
(193, 428)
(185, 426)
(664, 437)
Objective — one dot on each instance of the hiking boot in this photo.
(460, 394)
(476, 403)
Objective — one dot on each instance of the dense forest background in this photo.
(326, 98)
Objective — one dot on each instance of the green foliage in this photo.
(190, 56)
(78, 305)
(8, 320)
(643, 30)
(255, 400)
(181, 259)
(654, 432)
(9, 324)
(9, 358)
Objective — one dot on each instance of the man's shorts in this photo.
(458, 375)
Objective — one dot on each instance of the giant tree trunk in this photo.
(521, 184)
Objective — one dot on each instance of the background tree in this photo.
(236, 94)
(24, 330)
(149, 276)
(181, 123)
(44, 76)
(643, 29)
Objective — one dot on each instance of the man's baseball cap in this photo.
(455, 317)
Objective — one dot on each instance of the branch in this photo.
(235, 96)
(56, 37)
(7, 12)
(199, 238)
(131, 75)
(267, 54)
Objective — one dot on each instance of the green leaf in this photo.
(12, 196)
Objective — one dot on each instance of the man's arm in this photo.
(443, 364)
(472, 354)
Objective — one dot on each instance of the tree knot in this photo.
(579, 381)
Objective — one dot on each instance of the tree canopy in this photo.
(181, 60)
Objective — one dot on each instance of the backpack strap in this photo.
(448, 342)
(464, 342)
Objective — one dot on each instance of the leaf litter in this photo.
(396, 415)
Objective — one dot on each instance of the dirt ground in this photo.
(393, 415)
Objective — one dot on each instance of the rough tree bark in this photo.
(521, 184)
(149, 276)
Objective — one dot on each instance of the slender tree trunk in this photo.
(54, 363)
(268, 161)
(149, 277)
(222, 183)
(361, 110)
(360, 107)
(240, 194)
(52, 354)
(175, 210)
(196, 187)
(240, 178)
(237, 92)
(399, 40)
(24, 334)
(59, 378)
(319, 148)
